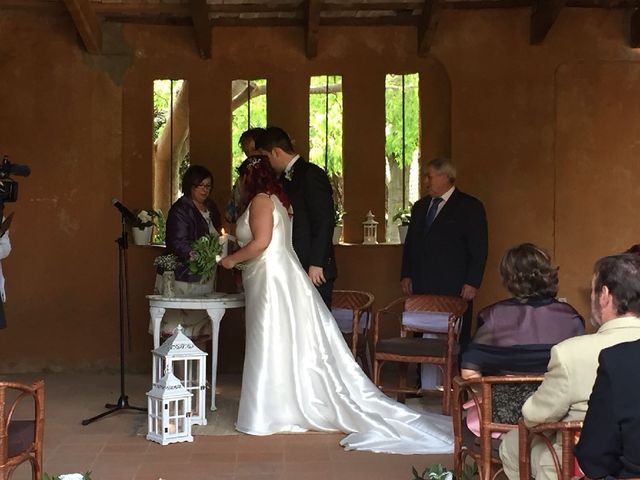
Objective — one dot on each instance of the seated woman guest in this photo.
(192, 216)
(516, 335)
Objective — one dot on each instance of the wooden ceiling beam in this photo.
(312, 27)
(634, 28)
(87, 24)
(202, 26)
(428, 25)
(544, 15)
(369, 6)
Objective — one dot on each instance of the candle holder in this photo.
(370, 230)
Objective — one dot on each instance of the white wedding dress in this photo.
(299, 374)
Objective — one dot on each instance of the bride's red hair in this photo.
(260, 177)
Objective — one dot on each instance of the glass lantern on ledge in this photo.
(370, 230)
(189, 364)
(169, 411)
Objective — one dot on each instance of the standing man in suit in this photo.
(571, 373)
(445, 251)
(311, 197)
(609, 445)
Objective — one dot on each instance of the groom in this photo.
(311, 197)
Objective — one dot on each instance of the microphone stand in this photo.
(123, 274)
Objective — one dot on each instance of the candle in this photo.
(224, 241)
(172, 427)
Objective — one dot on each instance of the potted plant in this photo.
(403, 215)
(142, 226)
(166, 266)
(337, 229)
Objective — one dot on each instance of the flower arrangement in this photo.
(68, 476)
(144, 218)
(166, 263)
(339, 215)
(438, 472)
(204, 255)
(403, 214)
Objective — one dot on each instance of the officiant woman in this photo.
(192, 216)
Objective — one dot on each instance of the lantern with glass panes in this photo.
(169, 411)
(370, 230)
(189, 364)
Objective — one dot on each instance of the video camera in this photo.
(9, 187)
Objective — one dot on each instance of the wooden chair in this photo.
(565, 466)
(21, 440)
(441, 351)
(499, 401)
(360, 305)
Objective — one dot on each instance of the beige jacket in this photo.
(565, 391)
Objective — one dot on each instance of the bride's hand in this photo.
(228, 262)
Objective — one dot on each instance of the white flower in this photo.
(72, 476)
(144, 216)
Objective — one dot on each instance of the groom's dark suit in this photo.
(449, 254)
(610, 440)
(311, 197)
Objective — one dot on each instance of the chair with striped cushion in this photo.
(440, 348)
(352, 311)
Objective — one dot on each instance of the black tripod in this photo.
(123, 275)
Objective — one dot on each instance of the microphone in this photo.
(126, 213)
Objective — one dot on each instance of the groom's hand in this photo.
(316, 274)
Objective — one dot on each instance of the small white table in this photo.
(214, 303)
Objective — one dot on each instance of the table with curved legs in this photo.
(215, 304)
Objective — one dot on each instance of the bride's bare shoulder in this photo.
(261, 201)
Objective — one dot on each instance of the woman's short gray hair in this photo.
(445, 166)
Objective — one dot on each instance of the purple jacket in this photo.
(185, 224)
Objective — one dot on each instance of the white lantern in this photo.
(189, 364)
(169, 411)
(370, 230)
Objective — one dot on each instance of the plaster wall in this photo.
(540, 134)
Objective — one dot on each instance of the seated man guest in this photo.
(516, 335)
(609, 445)
(571, 373)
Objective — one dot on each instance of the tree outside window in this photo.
(170, 139)
(325, 131)
(402, 147)
(248, 110)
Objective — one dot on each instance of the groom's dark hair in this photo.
(273, 137)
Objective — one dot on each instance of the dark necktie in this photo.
(433, 210)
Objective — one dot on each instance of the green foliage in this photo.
(162, 103)
(339, 216)
(394, 118)
(240, 123)
(161, 229)
(325, 130)
(438, 472)
(203, 256)
(403, 214)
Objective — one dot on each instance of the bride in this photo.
(299, 374)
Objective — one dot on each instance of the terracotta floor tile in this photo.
(258, 468)
(214, 457)
(114, 450)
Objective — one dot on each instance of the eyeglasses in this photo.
(206, 186)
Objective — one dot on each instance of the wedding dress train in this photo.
(299, 373)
